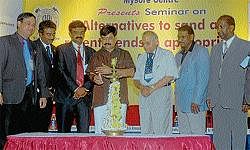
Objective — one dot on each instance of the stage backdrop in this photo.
(133, 17)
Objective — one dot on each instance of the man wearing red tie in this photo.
(75, 94)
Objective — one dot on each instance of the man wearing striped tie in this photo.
(155, 69)
(41, 117)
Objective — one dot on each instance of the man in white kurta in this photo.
(155, 93)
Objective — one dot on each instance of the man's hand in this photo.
(1, 99)
(98, 79)
(120, 73)
(103, 70)
(209, 104)
(42, 102)
(80, 92)
(146, 91)
(245, 108)
(195, 108)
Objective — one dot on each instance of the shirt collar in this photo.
(45, 45)
(229, 41)
(76, 45)
(190, 48)
(154, 51)
(21, 38)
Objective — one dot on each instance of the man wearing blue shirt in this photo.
(191, 87)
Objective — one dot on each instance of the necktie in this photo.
(49, 54)
(148, 67)
(28, 62)
(79, 69)
(224, 50)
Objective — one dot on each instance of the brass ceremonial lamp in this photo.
(112, 123)
(113, 64)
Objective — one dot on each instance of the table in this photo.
(81, 141)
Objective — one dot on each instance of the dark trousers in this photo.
(41, 117)
(65, 113)
(17, 116)
(2, 131)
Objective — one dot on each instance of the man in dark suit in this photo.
(47, 31)
(21, 68)
(77, 89)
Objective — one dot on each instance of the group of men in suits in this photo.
(221, 82)
(218, 80)
(35, 72)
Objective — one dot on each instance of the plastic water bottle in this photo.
(53, 125)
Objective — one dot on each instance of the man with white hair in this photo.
(155, 69)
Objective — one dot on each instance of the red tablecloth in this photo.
(39, 141)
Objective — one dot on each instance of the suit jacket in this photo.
(51, 70)
(228, 92)
(67, 67)
(13, 70)
(191, 86)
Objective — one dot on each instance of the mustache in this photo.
(79, 37)
(107, 43)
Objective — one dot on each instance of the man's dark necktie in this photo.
(79, 69)
(184, 54)
(49, 54)
(28, 62)
(148, 67)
